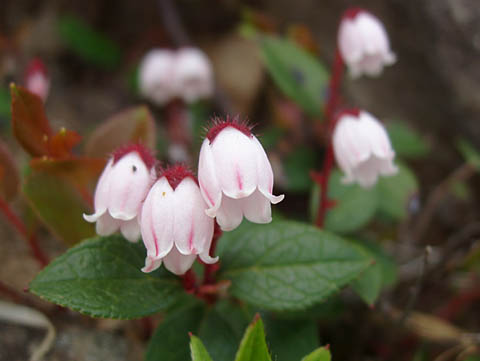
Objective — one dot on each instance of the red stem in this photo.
(211, 269)
(189, 281)
(32, 241)
(332, 103)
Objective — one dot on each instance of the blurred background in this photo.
(92, 49)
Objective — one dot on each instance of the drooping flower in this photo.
(156, 76)
(235, 175)
(362, 148)
(174, 226)
(37, 79)
(363, 43)
(120, 191)
(193, 75)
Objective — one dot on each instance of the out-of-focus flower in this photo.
(174, 226)
(363, 43)
(37, 79)
(235, 175)
(362, 148)
(156, 76)
(120, 191)
(193, 75)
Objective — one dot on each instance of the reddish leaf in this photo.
(130, 126)
(61, 144)
(29, 123)
(60, 191)
(9, 177)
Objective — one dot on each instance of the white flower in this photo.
(193, 75)
(363, 43)
(235, 176)
(156, 76)
(120, 191)
(36, 79)
(362, 148)
(174, 226)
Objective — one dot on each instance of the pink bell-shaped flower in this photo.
(156, 76)
(120, 191)
(174, 226)
(37, 79)
(363, 43)
(193, 75)
(235, 175)
(362, 148)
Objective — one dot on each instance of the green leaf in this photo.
(473, 358)
(469, 152)
(354, 206)
(288, 265)
(297, 168)
(382, 274)
(134, 125)
(198, 351)
(88, 44)
(5, 101)
(170, 340)
(58, 204)
(253, 346)
(298, 74)
(290, 339)
(396, 192)
(220, 328)
(102, 277)
(320, 354)
(406, 141)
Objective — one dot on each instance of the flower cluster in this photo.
(172, 211)
(165, 74)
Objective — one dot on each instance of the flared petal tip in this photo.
(123, 216)
(151, 264)
(205, 257)
(92, 218)
(211, 212)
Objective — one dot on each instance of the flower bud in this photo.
(120, 191)
(235, 175)
(174, 226)
(193, 75)
(156, 76)
(363, 43)
(36, 78)
(362, 148)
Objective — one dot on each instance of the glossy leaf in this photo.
(298, 74)
(9, 177)
(60, 145)
(406, 141)
(90, 45)
(469, 152)
(290, 339)
(320, 354)
(220, 328)
(198, 351)
(253, 346)
(29, 122)
(134, 125)
(353, 206)
(288, 265)
(395, 193)
(102, 277)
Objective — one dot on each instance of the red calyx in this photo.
(354, 112)
(176, 173)
(351, 13)
(35, 65)
(218, 124)
(143, 152)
